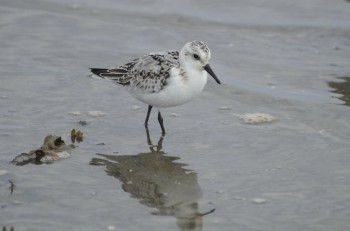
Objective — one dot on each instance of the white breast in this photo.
(180, 89)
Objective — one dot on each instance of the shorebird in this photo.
(164, 79)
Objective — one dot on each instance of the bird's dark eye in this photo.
(196, 56)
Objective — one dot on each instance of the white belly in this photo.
(177, 91)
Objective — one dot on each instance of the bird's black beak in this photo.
(211, 72)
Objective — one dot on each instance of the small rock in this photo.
(82, 122)
(174, 115)
(259, 201)
(256, 118)
(225, 108)
(111, 227)
(3, 172)
(96, 113)
(75, 113)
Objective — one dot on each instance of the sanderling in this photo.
(164, 79)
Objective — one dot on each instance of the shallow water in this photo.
(272, 56)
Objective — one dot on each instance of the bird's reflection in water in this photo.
(343, 88)
(159, 182)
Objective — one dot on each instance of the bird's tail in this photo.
(117, 75)
(99, 71)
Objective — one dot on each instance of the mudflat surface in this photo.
(275, 57)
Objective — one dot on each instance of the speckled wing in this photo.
(147, 74)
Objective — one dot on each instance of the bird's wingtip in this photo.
(98, 71)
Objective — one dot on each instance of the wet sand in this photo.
(273, 57)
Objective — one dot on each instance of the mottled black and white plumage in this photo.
(147, 74)
(164, 79)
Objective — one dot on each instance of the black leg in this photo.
(149, 141)
(147, 116)
(160, 119)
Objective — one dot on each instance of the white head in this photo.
(196, 55)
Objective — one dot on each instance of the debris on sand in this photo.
(256, 118)
(52, 149)
(11, 229)
(76, 136)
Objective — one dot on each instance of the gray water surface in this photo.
(212, 171)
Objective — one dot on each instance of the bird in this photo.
(164, 79)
